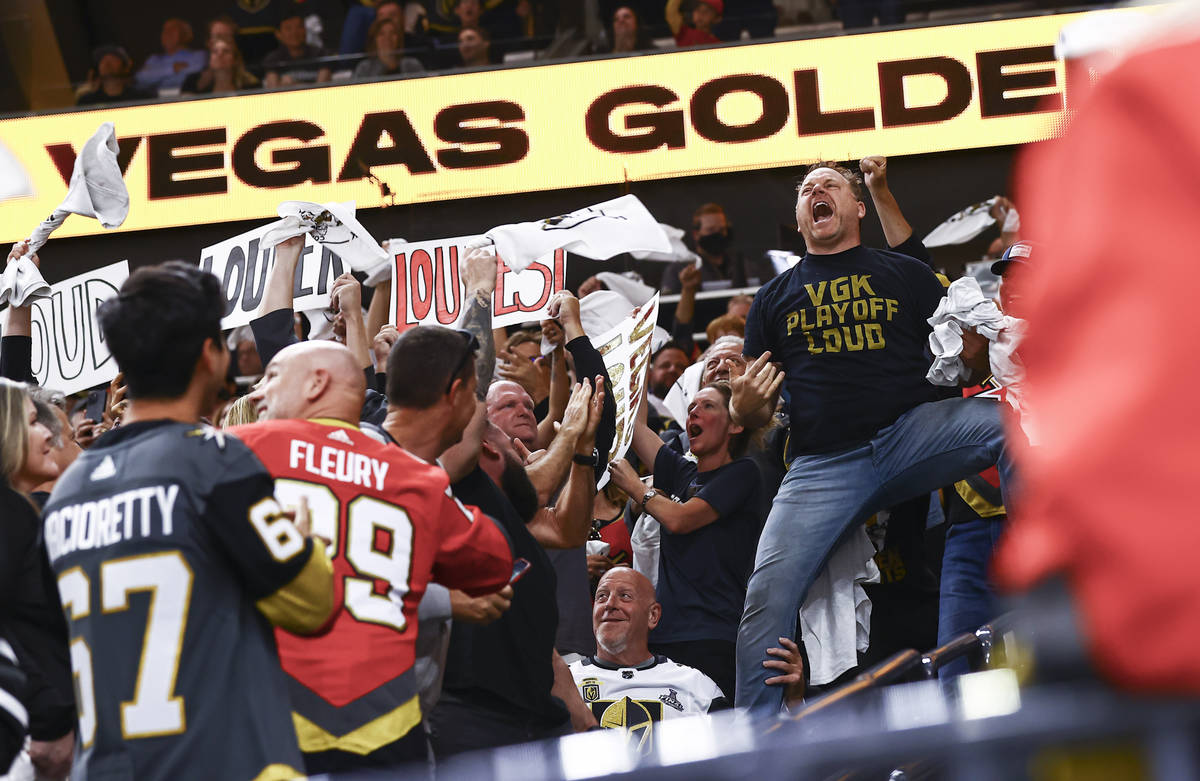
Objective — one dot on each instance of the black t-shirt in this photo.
(852, 332)
(702, 574)
(507, 664)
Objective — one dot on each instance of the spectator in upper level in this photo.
(712, 234)
(862, 13)
(705, 14)
(295, 61)
(361, 17)
(222, 26)
(626, 33)
(111, 80)
(474, 47)
(169, 69)
(385, 44)
(225, 72)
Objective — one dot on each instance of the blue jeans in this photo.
(967, 600)
(823, 496)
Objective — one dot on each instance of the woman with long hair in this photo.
(26, 445)
(226, 71)
(31, 618)
(385, 50)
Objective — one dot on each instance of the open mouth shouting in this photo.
(822, 212)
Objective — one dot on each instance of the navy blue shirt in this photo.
(702, 574)
(852, 332)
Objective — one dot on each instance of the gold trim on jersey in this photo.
(982, 507)
(305, 604)
(279, 772)
(333, 422)
(373, 735)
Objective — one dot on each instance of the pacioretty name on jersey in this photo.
(107, 521)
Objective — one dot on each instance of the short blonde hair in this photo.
(14, 429)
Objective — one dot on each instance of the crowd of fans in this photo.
(289, 42)
(504, 597)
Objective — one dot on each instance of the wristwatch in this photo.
(593, 460)
(646, 497)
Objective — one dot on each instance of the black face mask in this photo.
(519, 489)
(714, 243)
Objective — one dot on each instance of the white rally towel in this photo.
(962, 226)
(678, 251)
(835, 620)
(383, 269)
(14, 181)
(96, 189)
(600, 232)
(965, 306)
(629, 284)
(333, 225)
(21, 283)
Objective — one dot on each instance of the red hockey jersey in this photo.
(394, 526)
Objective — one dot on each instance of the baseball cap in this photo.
(1021, 252)
(716, 5)
(102, 51)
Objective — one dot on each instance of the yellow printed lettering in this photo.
(793, 319)
(812, 346)
(892, 307)
(876, 308)
(839, 289)
(860, 309)
(874, 333)
(852, 344)
(824, 316)
(840, 311)
(833, 341)
(816, 295)
(860, 284)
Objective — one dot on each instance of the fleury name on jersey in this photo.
(103, 522)
(335, 463)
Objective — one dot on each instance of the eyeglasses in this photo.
(472, 345)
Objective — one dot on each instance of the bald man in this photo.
(625, 685)
(510, 407)
(630, 688)
(393, 527)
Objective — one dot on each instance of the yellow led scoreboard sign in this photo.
(566, 125)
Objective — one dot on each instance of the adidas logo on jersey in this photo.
(105, 470)
(340, 436)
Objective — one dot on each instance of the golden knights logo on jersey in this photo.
(635, 699)
(636, 717)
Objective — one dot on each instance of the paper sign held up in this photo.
(243, 265)
(626, 352)
(427, 288)
(69, 353)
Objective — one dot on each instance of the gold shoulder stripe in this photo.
(942, 278)
(304, 604)
(982, 507)
(373, 735)
(278, 772)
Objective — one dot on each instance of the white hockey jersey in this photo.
(636, 698)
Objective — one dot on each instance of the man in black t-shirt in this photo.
(867, 430)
